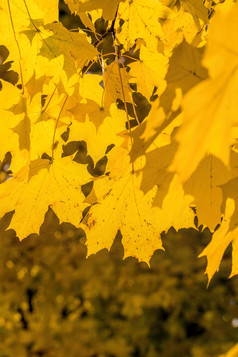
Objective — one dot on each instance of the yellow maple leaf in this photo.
(37, 47)
(116, 84)
(222, 237)
(205, 185)
(30, 129)
(17, 17)
(122, 205)
(32, 190)
(15, 124)
(187, 20)
(90, 104)
(71, 49)
(140, 20)
(109, 7)
(184, 72)
(210, 108)
(149, 72)
(155, 131)
(99, 138)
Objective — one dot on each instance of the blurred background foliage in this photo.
(55, 302)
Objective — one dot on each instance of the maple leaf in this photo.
(98, 139)
(229, 190)
(140, 20)
(220, 241)
(116, 84)
(31, 191)
(146, 135)
(23, 17)
(149, 72)
(227, 232)
(206, 185)
(187, 21)
(90, 105)
(50, 9)
(109, 7)
(210, 108)
(29, 129)
(71, 49)
(15, 126)
(120, 204)
(184, 72)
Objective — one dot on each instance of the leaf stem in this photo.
(56, 125)
(124, 97)
(17, 43)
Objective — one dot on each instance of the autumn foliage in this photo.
(128, 122)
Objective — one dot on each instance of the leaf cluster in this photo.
(126, 120)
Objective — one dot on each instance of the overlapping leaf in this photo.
(109, 7)
(118, 203)
(31, 191)
(140, 20)
(73, 131)
(210, 109)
